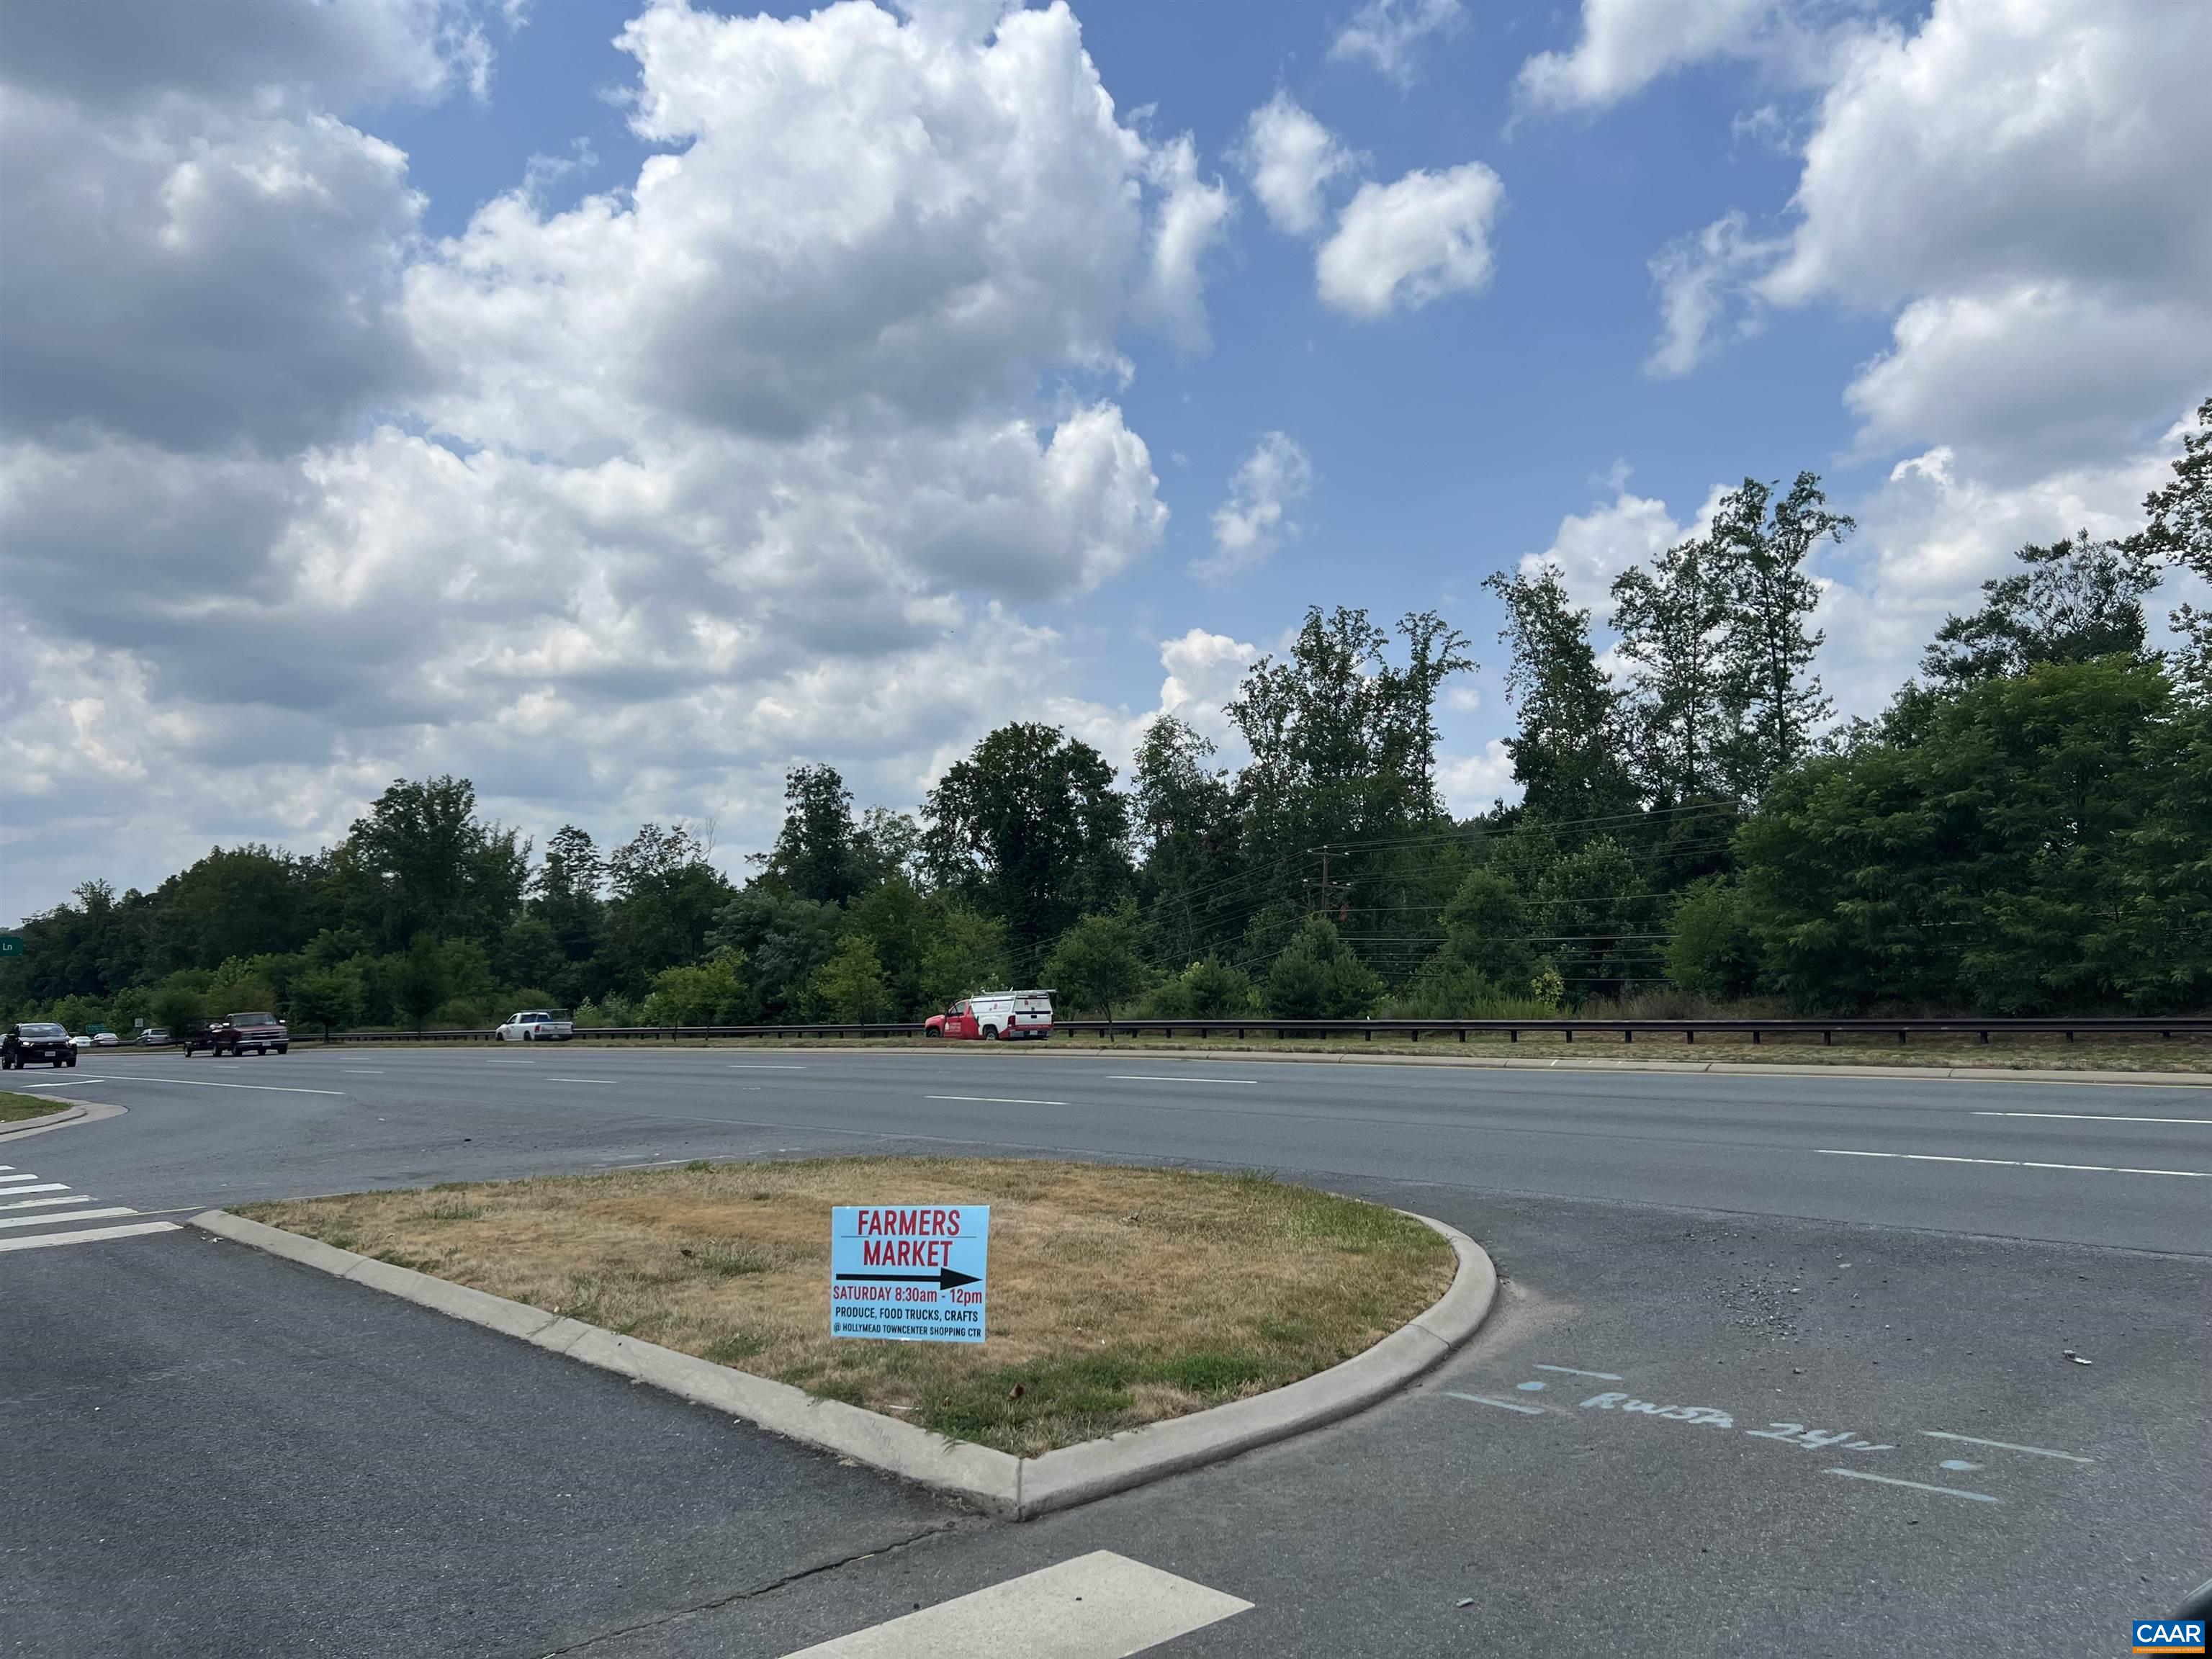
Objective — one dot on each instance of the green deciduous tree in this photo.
(1673, 620)
(1762, 545)
(327, 997)
(964, 951)
(417, 978)
(1318, 977)
(818, 853)
(421, 860)
(710, 993)
(1568, 752)
(1030, 827)
(851, 986)
(2072, 601)
(1098, 964)
(1713, 951)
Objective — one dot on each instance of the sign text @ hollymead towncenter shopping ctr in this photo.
(909, 1272)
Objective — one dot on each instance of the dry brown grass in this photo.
(1118, 1296)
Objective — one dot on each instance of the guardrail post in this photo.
(1827, 1039)
(1510, 1036)
(1689, 1034)
(1755, 1039)
(1463, 1034)
(1627, 1035)
(1571, 1034)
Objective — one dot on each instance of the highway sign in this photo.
(11, 945)
(909, 1272)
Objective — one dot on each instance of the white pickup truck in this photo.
(537, 1026)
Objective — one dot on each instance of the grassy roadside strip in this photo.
(16, 1108)
(1119, 1297)
(2090, 1055)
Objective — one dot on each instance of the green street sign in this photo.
(11, 945)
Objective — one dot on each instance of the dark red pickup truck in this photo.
(259, 1032)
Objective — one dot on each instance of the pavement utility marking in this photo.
(61, 1228)
(2014, 1163)
(1799, 1436)
(1099, 1605)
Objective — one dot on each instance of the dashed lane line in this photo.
(995, 1100)
(2016, 1163)
(2094, 1117)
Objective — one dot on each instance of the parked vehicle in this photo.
(153, 1037)
(236, 1034)
(82, 1040)
(102, 1036)
(36, 1040)
(537, 1026)
(995, 1016)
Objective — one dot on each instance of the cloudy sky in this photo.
(618, 404)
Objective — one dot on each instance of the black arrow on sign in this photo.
(945, 1281)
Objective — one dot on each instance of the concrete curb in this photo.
(31, 1125)
(999, 1483)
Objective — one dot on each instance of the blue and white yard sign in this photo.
(909, 1272)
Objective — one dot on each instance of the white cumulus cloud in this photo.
(1407, 244)
(1290, 159)
(1389, 36)
(1252, 522)
(1192, 214)
(1625, 45)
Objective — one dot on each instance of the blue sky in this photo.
(617, 403)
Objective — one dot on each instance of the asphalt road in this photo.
(279, 1463)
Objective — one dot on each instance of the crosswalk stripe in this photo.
(59, 1220)
(41, 1240)
(1099, 1605)
(41, 1187)
(42, 1203)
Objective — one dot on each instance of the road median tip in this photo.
(995, 1482)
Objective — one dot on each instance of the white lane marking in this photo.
(205, 1083)
(1917, 1485)
(25, 1176)
(2014, 1163)
(43, 1187)
(74, 1215)
(1099, 1605)
(59, 1082)
(2005, 1445)
(2092, 1117)
(42, 1203)
(1502, 1404)
(550, 1078)
(1116, 1077)
(92, 1236)
(1569, 1370)
(363, 1071)
(763, 1068)
(995, 1100)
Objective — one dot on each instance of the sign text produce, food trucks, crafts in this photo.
(909, 1272)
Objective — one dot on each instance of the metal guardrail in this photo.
(1413, 1029)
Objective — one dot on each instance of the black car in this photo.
(239, 1034)
(37, 1040)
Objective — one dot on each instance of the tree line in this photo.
(2025, 828)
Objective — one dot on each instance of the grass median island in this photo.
(1119, 1297)
(15, 1108)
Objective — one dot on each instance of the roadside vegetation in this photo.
(2025, 830)
(1118, 1297)
(16, 1109)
